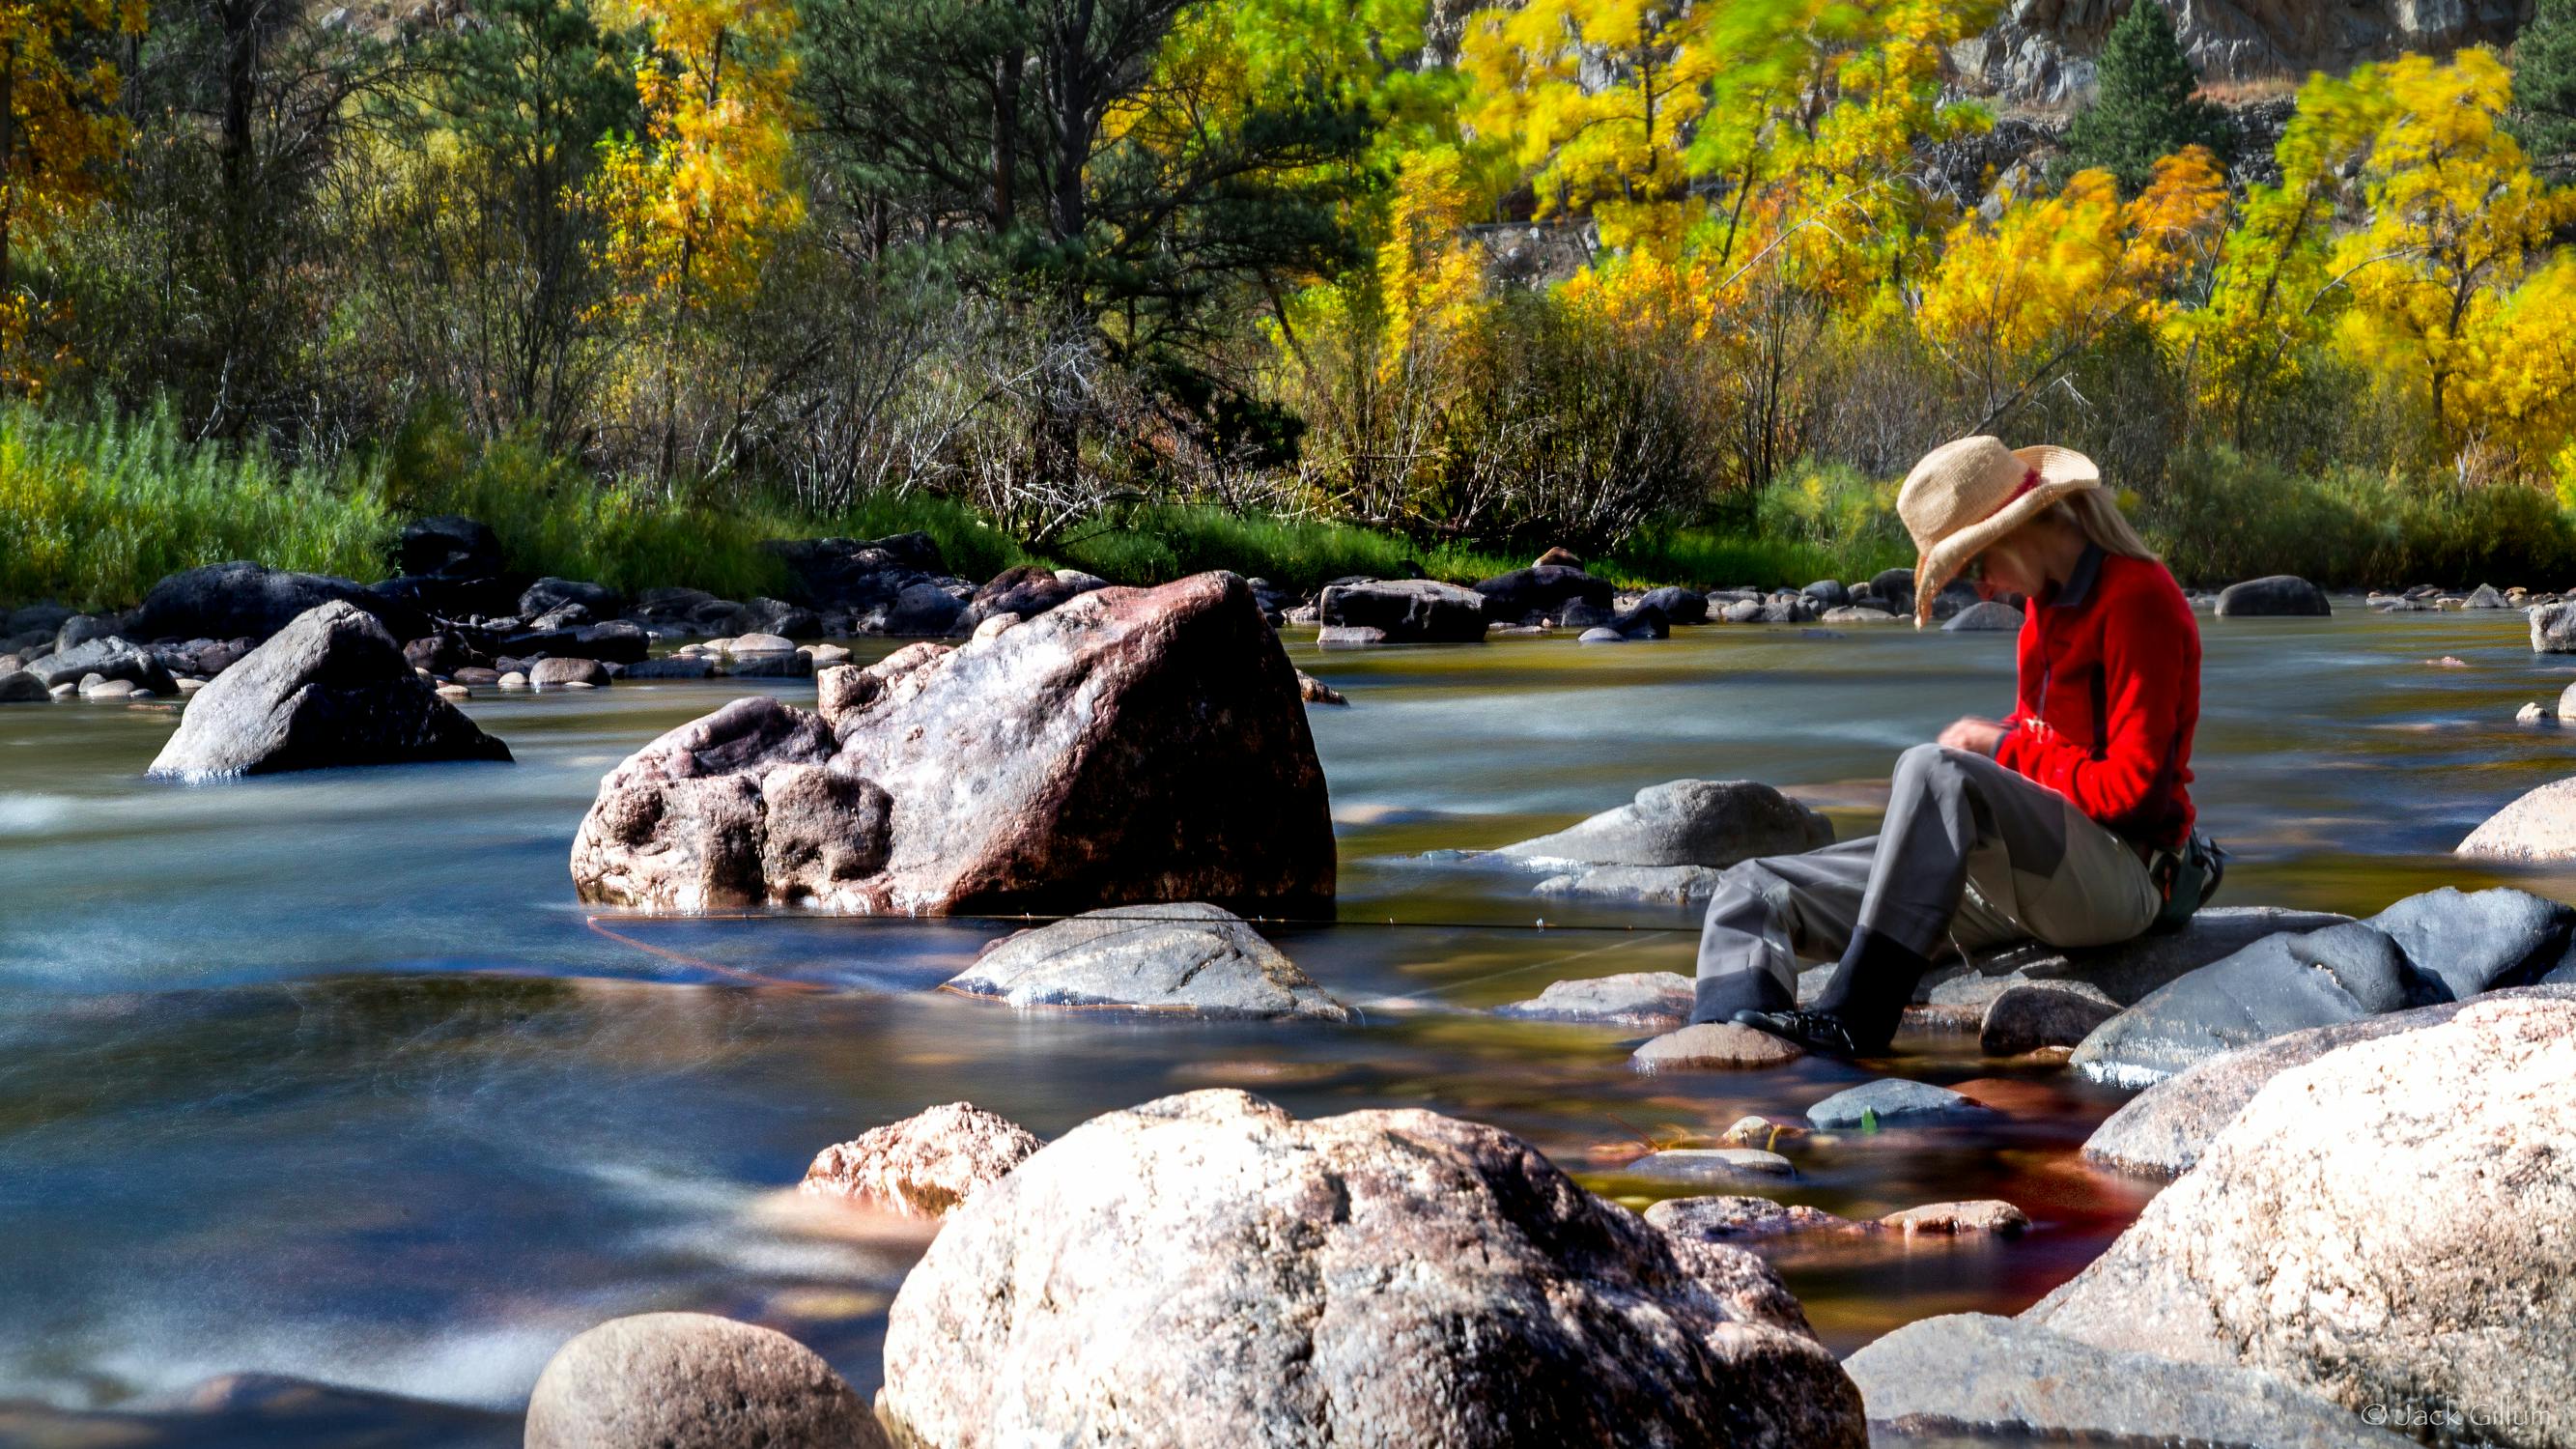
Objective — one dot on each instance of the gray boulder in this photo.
(921, 611)
(558, 673)
(2026, 1018)
(1970, 1374)
(2484, 596)
(2553, 628)
(1677, 605)
(2279, 984)
(1657, 999)
(549, 594)
(108, 658)
(2472, 941)
(1986, 616)
(329, 689)
(1895, 1101)
(1526, 595)
(2539, 826)
(2385, 1226)
(20, 686)
(1676, 885)
(693, 1381)
(2129, 970)
(2273, 596)
(1828, 593)
(1713, 823)
(1214, 1271)
(228, 600)
(1406, 611)
(1186, 958)
(674, 666)
(925, 1165)
(79, 629)
(1129, 745)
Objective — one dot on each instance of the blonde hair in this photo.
(2094, 511)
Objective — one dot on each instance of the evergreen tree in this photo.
(2145, 108)
(2544, 86)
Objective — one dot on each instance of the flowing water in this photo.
(329, 1076)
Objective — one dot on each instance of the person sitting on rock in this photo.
(2063, 823)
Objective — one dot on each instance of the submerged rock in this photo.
(1631, 998)
(329, 689)
(1206, 1269)
(2026, 1018)
(2272, 596)
(1895, 1101)
(1720, 1219)
(1129, 745)
(1719, 1045)
(2385, 1226)
(693, 1381)
(1711, 823)
(925, 1165)
(1967, 1372)
(1712, 1165)
(1653, 884)
(1186, 957)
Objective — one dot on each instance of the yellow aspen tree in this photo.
(57, 129)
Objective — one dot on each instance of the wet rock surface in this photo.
(1187, 958)
(1207, 1269)
(1710, 823)
(925, 1165)
(1406, 611)
(693, 1381)
(330, 689)
(1895, 1101)
(2274, 596)
(1714, 1046)
(1631, 998)
(2539, 826)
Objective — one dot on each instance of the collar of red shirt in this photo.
(2079, 582)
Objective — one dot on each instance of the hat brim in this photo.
(2061, 471)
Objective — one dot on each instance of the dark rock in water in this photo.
(926, 1165)
(441, 597)
(444, 652)
(1984, 616)
(1895, 1101)
(1686, 822)
(1226, 1274)
(2279, 984)
(775, 664)
(1796, 609)
(46, 619)
(1658, 999)
(921, 611)
(693, 1381)
(1828, 593)
(1527, 595)
(1131, 745)
(2162, 1131)
(2553, 628)
(557, 673)
(2128, 970)
(1968, 1372)
(222, 601)
(2273, 596)
(19, 686)
(2473, 942)
(616, 642)
(549, 594)
(1186, 958)
(1027, 591)
(857, 573)
(2385, 1226)
(448, 544)
(1642, 622)
(2026, 1018)
(1316, 691)
(1678, 605)
(108, 658)
(1896, 586)
(329, 689)
(676, 666)
(80, 629)
(777, 616)
(1407, 611)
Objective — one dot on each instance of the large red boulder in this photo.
(1132, 745)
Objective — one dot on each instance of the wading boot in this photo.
(1857, 1012)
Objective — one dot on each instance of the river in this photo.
(329, 1076)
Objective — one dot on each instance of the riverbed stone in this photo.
(1129, 745)
(1630, 998)
(2279, 984)
(1723, 1218)
(925, 1165)
(1207, 1269)
(1678, 605)
(2553, 627)
(1646, 884)
(671, 666)
(2273, 596)
(1528, 595)
(2385, 1226)
(548, 594)
(1986, 616)
(557, 673)
(2126, 972)
(2162, 1131)
(228, 600)
(2539, 826)
(1971, 1372)
(1187, 958)
(1406, 611)
(1714, 1045)
(1991, 1217)
(1712, 1165)
(1315, 691)
(1712, 823)
(111, 657)
(19, 686)
(329, 689)
(2025, 1018)
(693, 1381)
(1896, 1101)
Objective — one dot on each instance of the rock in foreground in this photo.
(2540, 825)
(1189, 957)
(926, 1164)
(329, 689)
(693, 1381)
(1686, 822)
(1969, 1372)
(1129, 745)
(2385, 1226)
(1207, 1270)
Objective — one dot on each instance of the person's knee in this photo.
(1928, 767)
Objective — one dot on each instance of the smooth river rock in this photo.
(1206, 1269)
(1656, 999)
(925, 1165)
(231, 600)
(1969, 1372)
(1712, 1165)
(2539, 826)
(2273, 596)
(2386, 1226)
(2128, 971)
(2553, 628)
(1714, 1045)
(1129, 745)
(1666, 885)
(1189, 958)
(1406, 611)
(108, 657)
(1527, 595)
(1712, 823)
(329, 689)
(693, 1381)
(1986, 616)
(1895, 1101)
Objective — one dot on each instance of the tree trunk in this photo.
(1006, 136)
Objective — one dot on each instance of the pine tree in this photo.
(2544, 86)
(2145, 108)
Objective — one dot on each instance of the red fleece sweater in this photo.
(2109, 695)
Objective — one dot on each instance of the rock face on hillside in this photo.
(1206, 1269)
(329, 689)
(1131, 745)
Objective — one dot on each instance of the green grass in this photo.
(1716, 558)
(1169, 541)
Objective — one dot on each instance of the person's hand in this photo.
(1973, 734)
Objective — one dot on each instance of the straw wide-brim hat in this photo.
(1965, 495)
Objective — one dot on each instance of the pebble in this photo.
(454, 691)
